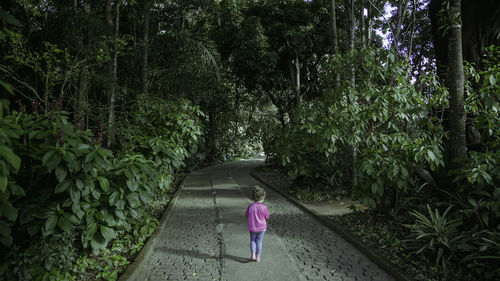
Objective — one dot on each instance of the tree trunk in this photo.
(455, 84)
(297, 82)
(350, 39)
(349, 6)
(114, 69)
(81, 101)
(294, 68)
(414, 22)
(369, 23)
(334, 36)
(362, 23)
(333, 26)
(402, 6)
(145, 42)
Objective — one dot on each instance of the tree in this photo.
(455, 83)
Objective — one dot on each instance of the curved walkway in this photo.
(204, 237)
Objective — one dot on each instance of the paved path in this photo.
(205, 237)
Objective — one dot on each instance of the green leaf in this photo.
(50, 224)
(133, 199)
(145, 196)
(95, 193)
(426, 175)
(65, 224)
(120, 214)
(492, 80)
(63, 186)
(79, 184)
(98, 243)
(17, 190)
(51, 159)
(374, 188)
(113, 197)
(5, 234)
(60, 173)
(108, 218)
(108, 233)
(83, 147)
(77, 210)
(3, 183)
(8, 211)
(431, 154)
(74, 193)
(132, 184)
(104, 183)
(11, 158)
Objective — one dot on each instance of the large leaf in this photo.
(8, 211)
(113, 198)
(108, 218)
(108, 233)
(88, 233)
(64, 223)
(133, 199)
(95, 193)
(120, 214)
(75, 195)
(426, 175)
(51, 159)
(104, 183)
(145, 196)
(63, 186)
(3, 183)
(11, 158)
(77, 210)
(79, 183)
(5, 234)
(17, 190)
(50, 224)
(60, 173)
(98, 243)
(132, 184)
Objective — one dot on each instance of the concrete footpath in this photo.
(204, 236)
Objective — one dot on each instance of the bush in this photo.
(379, 129)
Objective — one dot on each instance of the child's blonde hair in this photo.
(258, 193)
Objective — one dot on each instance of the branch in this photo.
(383, 16)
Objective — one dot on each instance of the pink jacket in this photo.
(257, 214)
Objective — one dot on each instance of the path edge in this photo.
(382, 262)
(135, 267)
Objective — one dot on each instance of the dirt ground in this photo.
(339, 206)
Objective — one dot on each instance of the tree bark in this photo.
(362, 23)
(349, 4)
(402, 6)
(333, 26)
(414, 22)
(455, 84)
(114, 69)
(334, 36)
(82, 101)
(145, 48)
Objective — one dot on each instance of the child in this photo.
(257, 214)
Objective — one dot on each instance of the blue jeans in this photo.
(256, 241)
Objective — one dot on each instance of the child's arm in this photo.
(266, 213)
(246, 213)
